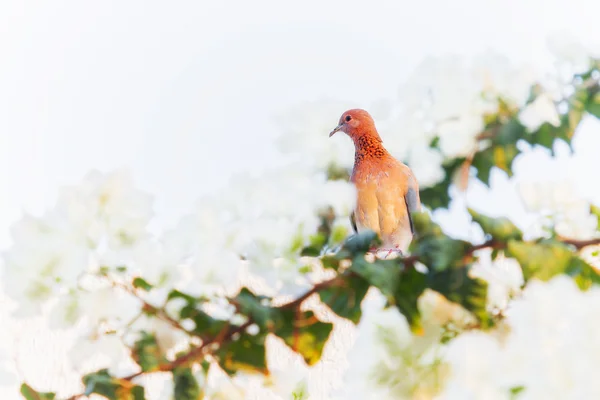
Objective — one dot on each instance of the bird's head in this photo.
(354, 123)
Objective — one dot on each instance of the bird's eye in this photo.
(348, 118)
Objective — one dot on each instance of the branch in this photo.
(228, 331)
(159, 312)
(580, 244)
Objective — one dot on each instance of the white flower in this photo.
(474, 358)
(503, 275)
(499, 79)
(457, 136)
(219, 386)
(576, 222)
(437, 310)
(105, 351)
(107, 205)
(387, 361)
(8, 376)
(170, 339)
(570, 51)
(340, 195)
(540, 111)
(550, 349)
(570, 213)
(426, 163)
(45, 256)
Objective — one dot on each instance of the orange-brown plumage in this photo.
(387, 191)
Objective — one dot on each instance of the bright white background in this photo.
(184, 93)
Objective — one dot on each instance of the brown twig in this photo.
(580, 244)
(158, 311)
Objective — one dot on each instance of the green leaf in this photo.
(176, 294)
(509, 133)
(136, 393)
(504, 157)
(382, 274)
(483, 161)
(330, 262)
(345, 297)
(500, 156)
(146, 353)
(303, 333)
(456, 285)
(500, 229)
(102, 383)
(411, 285)
(335, 172)
(360, 243)
(205, 326)
(186, 385)
(244, 353)
(550, 258)
(596, 211)
(256, 307)
(437, 196)
(584, 274)
(592, 106)
(441, 252)
(424, 225)
(515, 391)
(540, 260)
(140, 283)
(310, 251)
(435, 249)
(31, 394)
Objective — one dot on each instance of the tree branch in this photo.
(228, 331)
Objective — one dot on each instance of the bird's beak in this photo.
(337, 128)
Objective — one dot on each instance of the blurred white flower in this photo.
(8, 376)
(570, 213)
(44, 257)
(266, 220)
(457, 135)
(474, 358)
(170, 339)
(550, 350)
(436, 310)
(540, 111)
(104, 351)
(568, 50)
(503, 275)
(219, 386)
(426, 163)
(107, 206)
(576, 222)
(387, 361)
(499, 79)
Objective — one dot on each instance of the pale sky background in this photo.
(183, 93)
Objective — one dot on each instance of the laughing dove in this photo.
(387, 191)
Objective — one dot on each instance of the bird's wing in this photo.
(353, 222)
(412, 199)
(398, 197)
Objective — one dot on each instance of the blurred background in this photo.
(186, 94)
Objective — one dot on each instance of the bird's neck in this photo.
(368, 146)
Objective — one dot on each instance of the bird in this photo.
(387, 192)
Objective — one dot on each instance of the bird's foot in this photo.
(395, 250)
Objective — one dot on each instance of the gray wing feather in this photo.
(413, 203)
(353, 222)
